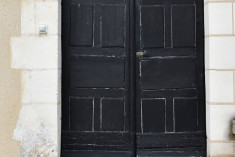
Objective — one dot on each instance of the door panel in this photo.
(81, 114)
(112, 114)
(167, 73)
(170, 75)
(152, 26)
(97, 72)
(183, 25)
(113, 25)
(153, 115)
(186, 114)
(81, 25)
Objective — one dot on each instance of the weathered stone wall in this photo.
(38, 56)
(220, 72)
(10, 79)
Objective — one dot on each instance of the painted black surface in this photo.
(176, 140)
(183, 25)
(195, 152)
(95, 83)
(97, 72)
(95, 153)
(81, 114)
(113, 25)
(186, 112)
(95, 141)
(153, 115)
(171, 74)
(113, 113)
(81, 25)
(167, 73)
(117, 104)
(152, 26)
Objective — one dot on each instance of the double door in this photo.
(133, 78)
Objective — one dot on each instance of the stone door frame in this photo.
(39, 58)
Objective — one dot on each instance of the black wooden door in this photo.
(170, 76)
(95, 82)
(119, 104)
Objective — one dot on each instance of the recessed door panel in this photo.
(153, 26)
(113, 25)
(97, 72)
(153, 117)
(81, 25)
(184, 25)
(168, 73)
(186, 114)
(113, 114)
(81, 114)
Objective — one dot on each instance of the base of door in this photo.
(172, 153)
(144, 153)
(95, 154)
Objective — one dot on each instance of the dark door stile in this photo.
(118, 104)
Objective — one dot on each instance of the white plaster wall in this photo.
(220, 72)
(39, 58)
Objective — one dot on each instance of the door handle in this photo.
(141, 53)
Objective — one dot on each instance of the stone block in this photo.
(221, 52)
(219, 126)
(36, 53)
(219, 149)
(219, 18)
(219, 87)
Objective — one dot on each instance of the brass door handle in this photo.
(140, 53)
